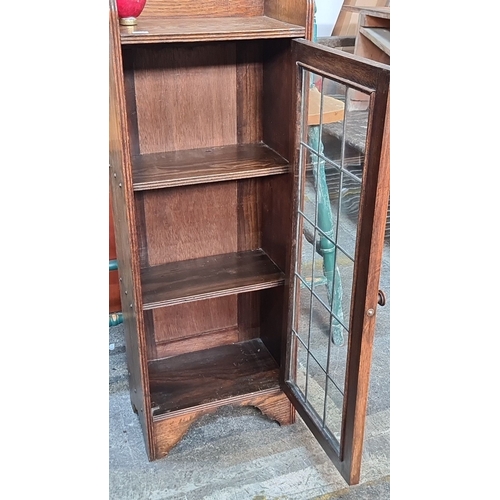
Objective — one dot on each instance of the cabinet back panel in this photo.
(188, 320)
(195, 326)
(210, 323)
(207, 8)
(249, 88)
(249, 214)
(279, 73)
(273, 320)
(185, 96)
(197, 343)
(207, 323)
(277, 196)
(190, 222)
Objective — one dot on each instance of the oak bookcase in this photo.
(203, 123)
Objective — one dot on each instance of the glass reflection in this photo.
(331, 177)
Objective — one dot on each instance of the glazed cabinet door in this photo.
(339, 216)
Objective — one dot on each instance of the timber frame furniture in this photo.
(205, 170)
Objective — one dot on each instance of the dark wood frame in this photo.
(374, 79)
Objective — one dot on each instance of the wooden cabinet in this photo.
(205, 173)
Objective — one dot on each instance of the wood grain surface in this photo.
(168, 30)
(208, 8)
(189, 320)
(185, 96)
(299, 12)
(249, 79)
(120, 181)
(208, 164)
(190, 222)
(204, 340)
(202, 377)
(208, 277)
(170, 428)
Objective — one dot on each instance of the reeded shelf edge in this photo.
(218, 293)
(205, 165)
(168, 30)
(208, 277)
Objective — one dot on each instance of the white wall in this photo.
(326, 15)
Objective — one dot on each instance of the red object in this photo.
(129, 8)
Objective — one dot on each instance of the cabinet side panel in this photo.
(277, 197)
(299, 12)
(130, 100)
(126, 243)
(272, 320)
(185, 96)
(140, 220)
(114, 288)
(249, 237)
(249, 315)
(207, 8)
(191, 222)
(279, 128)
(279, 115)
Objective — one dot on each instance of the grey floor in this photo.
(238, 453)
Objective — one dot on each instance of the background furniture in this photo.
(348, 20)
(363, 29)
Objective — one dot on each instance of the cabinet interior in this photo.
(211, 141)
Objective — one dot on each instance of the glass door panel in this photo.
(335, 262)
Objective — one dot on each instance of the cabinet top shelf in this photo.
(164, 29)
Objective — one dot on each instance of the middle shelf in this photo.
(202, 165)
(208, 277)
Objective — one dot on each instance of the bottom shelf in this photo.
(215, 374)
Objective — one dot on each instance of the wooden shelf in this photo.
(208, 277)
(215, 374)
(197, 166)
(376, 12)
(164, 29)
(379, 37)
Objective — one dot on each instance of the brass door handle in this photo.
(381, 298)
